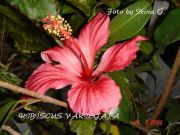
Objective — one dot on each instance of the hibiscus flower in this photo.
(92, 92)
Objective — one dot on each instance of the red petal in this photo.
(92, 98)
(118, 56)
(48, 76)
(65, 56)
(93, 36)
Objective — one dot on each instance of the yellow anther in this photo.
(57, 26)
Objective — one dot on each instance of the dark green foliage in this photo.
(22, 39)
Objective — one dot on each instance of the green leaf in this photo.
(142, 68)
(168, 31)
(113, 129)
(39, 129)
(125, 108)
(9, 77)
(4, 133)
(76, 21)
(137, 87)
(83, 127)
(84, 5)
(126, 104)
(6, 110)
(146, 47)
(171, 102)
(155, 61)
(173, 114)
(57, 123)
(112, 3)
(125, 25)
(12, 15)
(142, 115)
(119, 78)
(27, 37)
(67, 9)
(173, 110)
(36, 9)
(127, 130)
(106, 125)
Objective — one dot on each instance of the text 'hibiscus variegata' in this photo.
(92, 92)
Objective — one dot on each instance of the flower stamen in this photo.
(56, 25)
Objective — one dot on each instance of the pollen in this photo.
(56, 25)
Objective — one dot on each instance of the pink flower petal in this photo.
(93, 36)
(47, 76)
(118, 56)
(92, 98)
(66, 56)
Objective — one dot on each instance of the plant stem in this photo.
(28, 103)
(168, 87)
(10, 130)
(44, 98)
